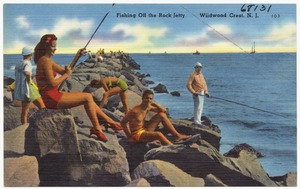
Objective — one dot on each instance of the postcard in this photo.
(150, 94)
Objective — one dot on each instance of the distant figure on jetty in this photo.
(112, 86)
(144, 131)
(94, 57)
(46, 72)
(24, 88)
(196, 84)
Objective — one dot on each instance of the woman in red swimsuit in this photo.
(48, 85)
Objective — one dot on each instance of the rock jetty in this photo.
(55, 148)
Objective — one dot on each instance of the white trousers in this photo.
(198, 108)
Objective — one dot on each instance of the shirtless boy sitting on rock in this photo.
(144, 131)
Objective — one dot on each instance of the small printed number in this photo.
(275, 15)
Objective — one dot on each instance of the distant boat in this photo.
(253, 49)
(197, 52)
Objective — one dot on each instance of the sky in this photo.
(152, 27)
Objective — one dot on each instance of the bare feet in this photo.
(181, 137)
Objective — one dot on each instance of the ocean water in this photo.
(265, 82)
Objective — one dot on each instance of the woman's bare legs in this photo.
(73, 99)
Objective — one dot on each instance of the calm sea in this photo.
(264, 82)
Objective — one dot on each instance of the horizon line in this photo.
(176, 53)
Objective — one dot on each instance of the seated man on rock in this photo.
(144, 131)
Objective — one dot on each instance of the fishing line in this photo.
(74, 61)
(215, 30)
(245, 105)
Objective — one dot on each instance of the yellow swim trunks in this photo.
(137, 134)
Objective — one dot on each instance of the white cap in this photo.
(27, 51)
(198, 64)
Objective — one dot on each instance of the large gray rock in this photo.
(161, 173)
(187, 127)
(204, 159)
(69, 157)
(21, 172)
(14, 141)
(12, 116)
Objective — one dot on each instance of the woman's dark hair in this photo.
(95, 83)
(44, 44)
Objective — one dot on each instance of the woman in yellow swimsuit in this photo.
(112, 86)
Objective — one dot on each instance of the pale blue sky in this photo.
(73, 24)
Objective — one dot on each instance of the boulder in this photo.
(208, 133)
(12, 116)
(160, 88)
(14, 141)
(161, 173)
(204, 159)
(21, 172)
(175, 93)
(67, 156)
(238, 148)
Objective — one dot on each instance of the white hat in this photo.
(27, 51)
(198, 64)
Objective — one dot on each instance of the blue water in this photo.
(266, 81)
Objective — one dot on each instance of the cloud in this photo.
(207, 36)
(285, 34)
(22, 22)
(130, 37)
(64, 27)
(140, 33)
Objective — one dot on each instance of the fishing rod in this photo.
(75, 59)
(238, 103)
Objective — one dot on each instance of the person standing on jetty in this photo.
(144, 131)
(196, 84)
(112, 86)
(24, 88)
(46, 72)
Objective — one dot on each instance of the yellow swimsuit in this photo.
(137, 134)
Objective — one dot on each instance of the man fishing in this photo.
(196, 84)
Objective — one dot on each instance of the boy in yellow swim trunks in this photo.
(141, 131)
